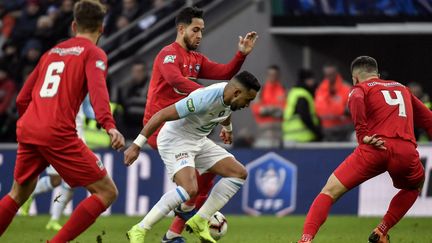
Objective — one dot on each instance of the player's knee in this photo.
(242, 173)
(192, 190)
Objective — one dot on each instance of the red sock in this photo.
(82, 217)
(399, 206)
(205, 184)
(8, 209)
(317, 215)
(177, 226)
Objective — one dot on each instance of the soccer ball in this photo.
(218, 226)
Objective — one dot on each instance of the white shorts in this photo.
(178, 152)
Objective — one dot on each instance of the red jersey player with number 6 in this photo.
(384, 113)
(48, 104)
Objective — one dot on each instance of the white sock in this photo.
(43, 185)
(168, 202)
(66, 195)
(171, 234)
(222, 192)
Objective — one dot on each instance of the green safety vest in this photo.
(293, 127)
(95, 137)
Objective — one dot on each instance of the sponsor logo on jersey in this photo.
(183, 162)
(181, 156)
(271, 186)
(101, 65)
(197, 68)
(190, 105)
(100, 164)
(76, 50)
(169, 59)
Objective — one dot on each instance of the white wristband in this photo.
(228, 128)
(140, 140)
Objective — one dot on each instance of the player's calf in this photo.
(104, 189)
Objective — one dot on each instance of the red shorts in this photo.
(74, 161)
(401, 160)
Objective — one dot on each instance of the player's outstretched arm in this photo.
(167, 114)
(219, 71)
(247, 43)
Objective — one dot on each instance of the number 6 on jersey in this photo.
(52, 79)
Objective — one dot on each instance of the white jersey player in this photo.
(184, 147)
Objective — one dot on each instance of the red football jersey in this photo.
(388, 109)
(50, 99)
(173, 67)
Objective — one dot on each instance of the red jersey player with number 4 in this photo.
(175, 70)
(48, 104)
(384, 113)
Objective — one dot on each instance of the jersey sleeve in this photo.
(168, 63)
(214, 70)
(195, 103)
(25, 95)
(356, 104)
(422, 115)
(96, 71)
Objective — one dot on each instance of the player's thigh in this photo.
(177, 153)
(405, 167)
(75, 163)
(29, 163)
(364, 163)
(215, 159)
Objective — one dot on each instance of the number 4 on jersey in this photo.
(398, 101)
(52, 80)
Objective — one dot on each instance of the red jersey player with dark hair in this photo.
(384, 113)
(175, 70)
(48, 104)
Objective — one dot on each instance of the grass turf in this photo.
(346, 229)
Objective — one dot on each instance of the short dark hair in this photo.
(248, 80)
(366, 63)
(274, 66)
(89, 15)
(187, 14)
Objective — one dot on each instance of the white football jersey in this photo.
(200, 112)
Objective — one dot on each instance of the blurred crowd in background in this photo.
(314, 109)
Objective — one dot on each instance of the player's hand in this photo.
(131, 154)
(117, 139)
(226, 136)
(374, 141)
(247, 43)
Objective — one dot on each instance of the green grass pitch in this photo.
(346, 229)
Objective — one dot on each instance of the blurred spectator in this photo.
(63, 20)
(331, 100)
(244, 139)
(301, 123)
(268, 109)
(26, 24)
(44, 32)
(29, 58)
(417, 90)
(7, 97)
(132, 96)
(130, 9)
